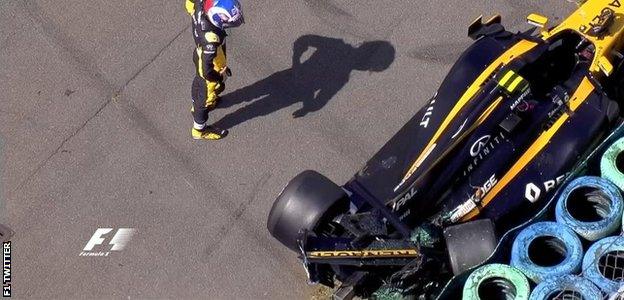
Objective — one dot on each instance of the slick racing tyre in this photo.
(591, 206)
(469, 244)
(566, 287)
(496, 281)
(547, 249)
(309, 200)
(603, 263)
(612, 163)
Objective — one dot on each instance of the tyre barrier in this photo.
(591, 206)
(496, 281)
(603, 263)
(566, 287)
(547, 249)
(612, 163)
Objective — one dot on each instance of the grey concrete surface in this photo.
(95, 119)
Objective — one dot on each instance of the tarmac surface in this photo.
(96, 127)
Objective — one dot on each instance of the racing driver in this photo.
(210, 19)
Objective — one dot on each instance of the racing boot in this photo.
(208, 133)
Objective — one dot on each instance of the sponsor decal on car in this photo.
(424, 122)
(475, 149)
(364, 253)
(598, 19)
(533, 192)
(474, 200)
(481, 149)
(520, 99)
(399, 203)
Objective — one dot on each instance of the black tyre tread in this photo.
(469, 244)
(303, 204)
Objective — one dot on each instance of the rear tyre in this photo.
(305, 203)
(469, 244)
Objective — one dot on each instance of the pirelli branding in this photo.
(387, 253)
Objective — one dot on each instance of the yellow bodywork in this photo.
(537, 20)
(585, 18)
(583, 91)
(515, 51)
(582, 21)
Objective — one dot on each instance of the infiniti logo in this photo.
(478, 145)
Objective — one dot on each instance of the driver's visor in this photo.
(232, 22)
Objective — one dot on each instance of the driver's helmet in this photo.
(224, 13)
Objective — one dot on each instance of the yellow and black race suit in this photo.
(210, 62)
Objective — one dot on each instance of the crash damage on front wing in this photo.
(514, 115)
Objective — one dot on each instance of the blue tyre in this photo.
(591, 206)
(612, 164)
(547, 249)
(566, 287)
(603, 263)
(496, 281)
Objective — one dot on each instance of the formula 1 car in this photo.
(510, 120)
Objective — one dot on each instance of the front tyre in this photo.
(308, 201)
(469, 244)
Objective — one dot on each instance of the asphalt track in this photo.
(95, 119)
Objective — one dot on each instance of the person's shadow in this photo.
(313, 82)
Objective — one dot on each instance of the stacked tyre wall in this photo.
(572, 249)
